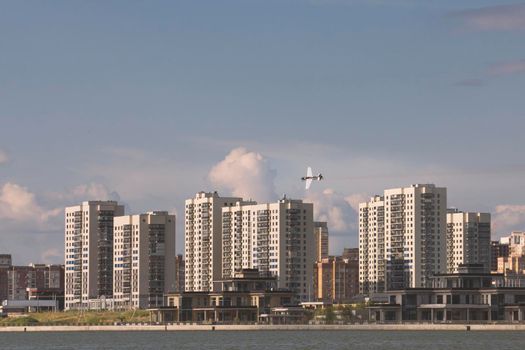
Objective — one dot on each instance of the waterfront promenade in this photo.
(200, 327)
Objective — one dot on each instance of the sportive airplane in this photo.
(309, 177)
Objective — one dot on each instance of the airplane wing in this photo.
(309, 172)
(308, 182)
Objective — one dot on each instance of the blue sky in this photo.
(150, 101)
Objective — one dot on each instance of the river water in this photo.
(262, 340)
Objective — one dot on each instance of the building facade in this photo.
(89, 251)
(246, 297)
(498, 250)
(402, 238)
(463, 297)
(372, 246)
(321, 240)
(468, 239)
(5, 264)
(34, 276)
(144, 259)
(275, 238)
(351, 254)
(203, 240)
(179, 273)
(336, 280)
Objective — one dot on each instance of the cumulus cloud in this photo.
(245, 174)
(17, 203)
(499, 18)
(340, 212)
(355, 199)
(93, 191)
(333, 208)
(507, 218)
(508, 68)
(3, 157)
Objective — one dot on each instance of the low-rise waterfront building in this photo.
(468, 296)
(244, 298)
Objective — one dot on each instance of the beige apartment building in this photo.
(275, 238)
(321, 240)
(89, 251)
(203, 240)
(468, 239)
(336, 279)
(516, 242)
(514, 261)
(144, 259)
(402, 238)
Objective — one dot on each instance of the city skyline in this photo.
(148, 103)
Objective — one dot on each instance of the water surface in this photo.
(265, 340)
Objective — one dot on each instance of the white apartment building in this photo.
(468, 239)
(321, 240)
(275, 238)
(413, 246)
(203, 240)
(144, 259)
(89, 251)
(372, 246)
(415, 235)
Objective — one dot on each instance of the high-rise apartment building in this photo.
(203, 240)
(468, 239)
(372, 246)
(275, 238)
(402, 238)
(144, 259)
(321, 240)
(89, 251)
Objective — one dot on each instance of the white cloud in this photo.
(17, 203)
(3, 157)
(245, 174)
(355, 199)
(340, 212)
(333, 208)
(93, 191)
(503, 17)
(508, 68)
(507, 218)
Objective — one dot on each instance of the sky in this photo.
(149, 102)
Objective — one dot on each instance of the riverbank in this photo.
(195, 327)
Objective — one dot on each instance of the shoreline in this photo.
(185, 328)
